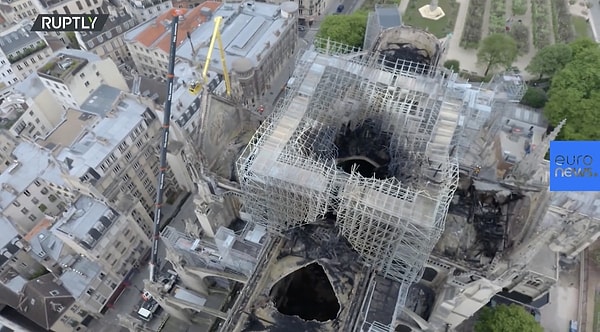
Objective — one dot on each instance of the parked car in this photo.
(301, 28)
(339, 9)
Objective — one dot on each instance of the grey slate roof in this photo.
(99, 103)
(79, 275)
(16, 40)
(43, 301)
(109, 30)
(389, 16)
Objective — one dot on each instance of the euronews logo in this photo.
(573, 166)
(69, 22)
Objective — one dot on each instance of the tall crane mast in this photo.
(216, 37)
(164, 143)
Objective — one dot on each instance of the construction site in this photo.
(362, 146)
(345, 210)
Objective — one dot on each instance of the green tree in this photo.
(534, 97)
(453, 65)
(575, 94)
(497, 50)
(550, 59)
(505, 318)
(582, 44)
(345, 29)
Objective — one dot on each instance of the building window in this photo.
(82, 75)
(27, 193)
(44, 191)
(16, 203)
(32, 217)
(87, 83)
(24, 211)
(52, 198)
(126, 178)
(35, 201)
(79, 5)
(66, 9)
(117, 168)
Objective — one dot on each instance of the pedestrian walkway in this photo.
(468, 57)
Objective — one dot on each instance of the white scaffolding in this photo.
(288, 172)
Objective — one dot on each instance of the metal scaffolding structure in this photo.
(289, 174)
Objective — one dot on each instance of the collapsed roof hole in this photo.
(403, 328)
(429, 274)
(364, 167)
(419, 58)
(365, 147)
(306, 293)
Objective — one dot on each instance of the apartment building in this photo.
(144, 10)
(310, 10)
(113, 240)
(8, 143)
(26, 51)
(109, 43)
(257, 37)
(15, 11)
(45, 302)
(149, 43)
(77, 273)
(91, 286)
(46, 248)
(32, 188)
(7, 75)
(73, 75)
(14, 258)
(117, 155)
(4, 23)
(69, 7)
(41, 111)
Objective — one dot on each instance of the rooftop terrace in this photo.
(62, 68)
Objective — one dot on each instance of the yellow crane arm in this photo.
(216, 35)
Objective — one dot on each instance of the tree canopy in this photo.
(345, 29)
(497, 50)
(575, 93)
(453, 65)
(505, 318)
(550, 59)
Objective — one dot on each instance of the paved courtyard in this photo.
(564, 299)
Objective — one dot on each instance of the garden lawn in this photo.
(440, 28)
(582, 28)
